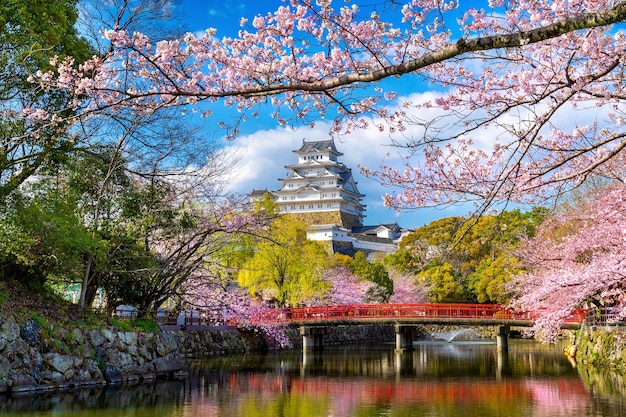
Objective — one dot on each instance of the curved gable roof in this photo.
(319, 146)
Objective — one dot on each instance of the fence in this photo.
(604, 317)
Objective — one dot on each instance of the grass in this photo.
(49, 309)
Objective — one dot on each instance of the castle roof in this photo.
(318, 146)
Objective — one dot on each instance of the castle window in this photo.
(301, 206)
(310, 206)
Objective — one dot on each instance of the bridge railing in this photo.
(605, 316)
(486, 312)
(469, 311)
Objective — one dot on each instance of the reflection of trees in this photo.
(608, 385)
(164, 395)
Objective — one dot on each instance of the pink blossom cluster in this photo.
(405, 290)
(524, 92)
(577, 259)
(233, 305)
(517, 66)
(343, 288)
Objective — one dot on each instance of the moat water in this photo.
(460, 379)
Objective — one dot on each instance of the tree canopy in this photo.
(577, 259)
(454, 259)
(33, 32)
(515, 66)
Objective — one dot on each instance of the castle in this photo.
(321, 191)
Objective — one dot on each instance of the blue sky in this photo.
(264, 147)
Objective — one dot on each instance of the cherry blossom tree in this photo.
(577, 259)
(224, 302)
(405, 289)
(343, 288)
(514, 66)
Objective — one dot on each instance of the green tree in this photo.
(441, 282)
(43, 241)
(374, 272)
(286, 265)
(478, 251)
(33, 31)
(488, 280)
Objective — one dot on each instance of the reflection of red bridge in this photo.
(470, 314)
(466, 391)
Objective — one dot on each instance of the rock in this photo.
(168, 364)
(20, 382)
(30, 332)
(97, 338)
(11, 330)
(59, 363)
(112, 375)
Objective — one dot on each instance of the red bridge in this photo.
(470, 314)
(313, 320)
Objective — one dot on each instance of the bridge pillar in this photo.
(404, 362)
(502, 338)
(312, 337)
(404, 338)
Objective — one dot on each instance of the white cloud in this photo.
(265, 153)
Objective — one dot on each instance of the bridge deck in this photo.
(454, 314)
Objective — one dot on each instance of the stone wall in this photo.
(604, 346)
(218, 341)
(336, 217)
(342, 335)
(34, 357)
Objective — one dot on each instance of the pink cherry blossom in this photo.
(577, 259)
(513, 66)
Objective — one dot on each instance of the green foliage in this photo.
(41, 321)
(122, 325)
(41, 238)
(459, 259)
(135, 325)
(146, 325)
(32, 33)
(3, 296)
(402, 261)
(285, 264)
(442, 283)
(489, 278)
(375, 272)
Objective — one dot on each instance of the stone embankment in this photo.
(34, 357)
(603, 346)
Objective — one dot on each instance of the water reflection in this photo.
(436, 379)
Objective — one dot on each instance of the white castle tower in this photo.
(319, 189)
